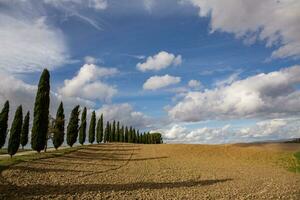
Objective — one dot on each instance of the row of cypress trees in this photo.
(44, 128)
(19, 129)
(112, 132)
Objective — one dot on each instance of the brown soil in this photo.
(128, 171)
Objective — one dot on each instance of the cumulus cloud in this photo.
(87, 84)
(20, 93)
(276, 22)
(274, 129)
(262, 95)
(29, 45)
(159, 61)
(194, 84)
(156, 82)
(125, 114)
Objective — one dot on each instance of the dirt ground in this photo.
(167, 171)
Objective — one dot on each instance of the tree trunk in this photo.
(45, 150)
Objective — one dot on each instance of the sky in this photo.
(198, 71)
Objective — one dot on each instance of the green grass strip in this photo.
(6, 162)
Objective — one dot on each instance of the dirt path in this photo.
(128, 171)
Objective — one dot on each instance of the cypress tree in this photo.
(110, 132)
(100, 129)
(72, 129)
(106, 133)
(25, 130)
(59, 127)
(122, 134)
(130, 135)
(126, 135)
(133, 136)
(15, 132)
(138, 137)
(41, 113)
(113, 131)
(143, 138)
(148, 138)
(3, 123)
(92, 128)
(118, 132)
(82, 128)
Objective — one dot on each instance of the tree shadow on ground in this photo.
(71, 163)
(37, 190)
(45, 170)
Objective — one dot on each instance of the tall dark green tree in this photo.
(15, 132)
(106, 132)
(118, 132)
(72, 129)
(130, 134)
(59, 127)
(122, 134)
(92, 128)
(3, 123)
(25, 130)
(110, 132)
(113, 131)
(138, 137)
(100, 129)
(82, 128)
(133, 135)
(144, 138)
(41, 113)
(126, 134)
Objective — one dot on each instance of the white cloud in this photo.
(95, 4)
(194, 84)
(262, 95)
(20, 93)
(125, 114)
(92, 60)
(29, 45)
(227, 81)
(149, 4)
(87, 84)
(156, 82)
(274, 129)
(275, 22)
(159, 61)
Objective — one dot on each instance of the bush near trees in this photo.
(41, 113)
(25, 130)
(72, 129)
(46, 127)
(15, 132)
(82, 128)
(59, 127)
(3, 123)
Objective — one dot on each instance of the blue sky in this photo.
(208, 74)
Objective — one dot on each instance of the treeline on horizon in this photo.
(45, 127)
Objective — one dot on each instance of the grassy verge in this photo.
(6, 162)
(296, 165)
(4, 151)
